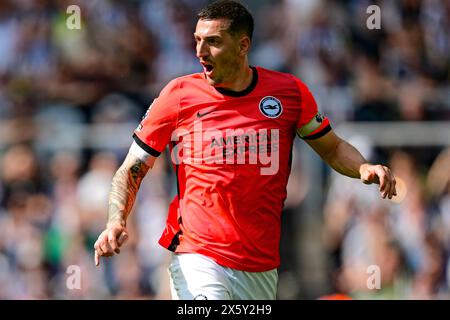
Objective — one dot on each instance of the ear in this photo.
(244, 45)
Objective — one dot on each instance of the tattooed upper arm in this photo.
(125, 186)
(136, 167)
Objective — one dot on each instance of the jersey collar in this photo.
(244, 92)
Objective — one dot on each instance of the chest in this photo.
(254, 112)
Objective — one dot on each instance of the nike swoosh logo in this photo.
(199, 115)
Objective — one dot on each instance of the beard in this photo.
(214, 79)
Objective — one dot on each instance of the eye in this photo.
(213, 42)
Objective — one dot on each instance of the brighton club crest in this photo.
(270, 107)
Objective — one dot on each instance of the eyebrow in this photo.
(208, 37)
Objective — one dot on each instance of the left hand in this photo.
(380, 175)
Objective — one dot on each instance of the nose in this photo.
(202, 49)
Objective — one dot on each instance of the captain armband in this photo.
(316, 122)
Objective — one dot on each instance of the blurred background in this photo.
(70, 100)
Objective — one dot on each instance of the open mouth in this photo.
(208, 68)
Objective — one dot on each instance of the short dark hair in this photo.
(241, 20)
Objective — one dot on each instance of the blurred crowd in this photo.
(70, 99)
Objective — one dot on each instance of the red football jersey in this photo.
(232, 155)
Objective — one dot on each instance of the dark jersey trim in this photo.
(177, 167)
(244, 92)
(176, 238)
(319, 134)
(175, 242)
(147, 149)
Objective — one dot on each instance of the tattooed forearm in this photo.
(125, 186)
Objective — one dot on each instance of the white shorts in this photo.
(196, 277)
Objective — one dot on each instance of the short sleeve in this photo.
(155, 130)
(312, 124)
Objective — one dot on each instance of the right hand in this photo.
(109, 241)
(380, 175)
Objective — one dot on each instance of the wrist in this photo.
(363, 167)
(117, 221)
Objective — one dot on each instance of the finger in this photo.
(389, 184)
(390, 181)
(98, 249)
(105, 248)
(388, 188)
(108, 254)
(366, 177)
(393, 187)
(96, 258)
(122, 238)
(112, 240)
(381, 173)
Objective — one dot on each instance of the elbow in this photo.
(332, 153)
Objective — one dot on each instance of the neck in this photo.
(242, 79)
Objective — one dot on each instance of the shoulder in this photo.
(287, 78)
(180, 84)
(273, 77)
(272, 73)
(194, 78)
